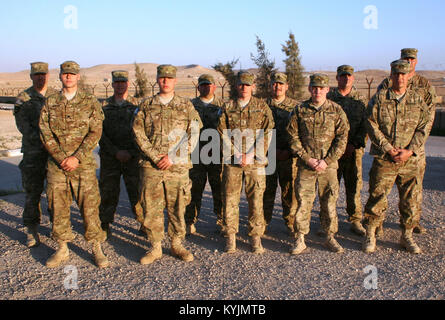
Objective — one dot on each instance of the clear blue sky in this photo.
(329, 33)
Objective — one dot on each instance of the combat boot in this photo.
(32, 236)
(155, 253)
(299, 245)
(61, 255)
(357, 228)
(99, 257)
(419, 229)
(369, 245)
(332, 244)
(231, 243)
(190, 229)
(255, 242)
(178, 250)
(407, 241)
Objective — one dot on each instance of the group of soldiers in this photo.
(316, 143)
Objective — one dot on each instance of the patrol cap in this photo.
(206, 79)
(119, 75)
(408, 53)
(319, 80)
(345, 69)
(279, 77)
(70, 67)
(166, 71)
(39, 67)
(400, 66)
(245, 77)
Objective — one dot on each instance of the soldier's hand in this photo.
(322, 165)
(247, 159)
(402, 155)
(70, 164)
(123, 155)
(393, 153)
(313, 163)
(165, 163)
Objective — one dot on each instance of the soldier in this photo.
(33, 165)
(209, 108)
(241, 126)
(318, 133)
(350, 164)
(163, 130)
(71, 126)
(426, 90)
(397, 126)
(119, 155)
(286, 169)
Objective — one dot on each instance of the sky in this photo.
(329, 33)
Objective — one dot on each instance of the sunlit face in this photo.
(399, 81)
(120, 87)
(166, 85)
(206, 89)
(345, 81)
(318, 94)
(279, 90)
(40, 80)
(245, 91)
(412, 62)
(69, 80)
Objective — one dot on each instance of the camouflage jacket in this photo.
(319, 134)
(396, 124)
(27, 109)
(281, 115)
(171, 129)
(254, 122)
(354, 105)
(71, 128)
(117, 131)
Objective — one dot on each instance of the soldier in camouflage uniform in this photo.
(166, 129)
(318, 133)
(209, 108)
(33, 165)
(286, 164)
(350, 164)
(71, 126)
(426, 90)
(397, 126)
(244, 160)
(119, 155)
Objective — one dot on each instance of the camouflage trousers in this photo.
(199, 175)
(419, 189)
(33, 170)
(382, 176)
(254, 185)
(351, 171)
(306, 184)
(285, 174)
(160, 190)
(61, 187)
(111, 171)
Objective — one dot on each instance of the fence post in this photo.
(369, 87)
(222, 89)
(196, 89)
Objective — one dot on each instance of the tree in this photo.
(266, 68)
(141, 82)
(229, 75)
(294, 69)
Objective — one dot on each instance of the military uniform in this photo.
(354, 105)
(72, 128)
(118, 135)
(286, 170)
(209, 114)
(33, 165)
(256, 115)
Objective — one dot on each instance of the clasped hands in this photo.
(400, 155)
(317, 165)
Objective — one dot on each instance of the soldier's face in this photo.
(245, 91)
(318, 94)
(399, 81)
(206, 89)
(69, 80)
(166, 85)
(345, 81)
(40, 80)
(412, 62)
(279, 89)
(120, 87)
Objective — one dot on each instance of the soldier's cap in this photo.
(279, 77)
(400, 66)
(319, 80)
(345, 69)
(408, 53)
(70, 67)
(206, 79)
(245, 77)
(39, 67)
(119, 75)
(166, 71)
